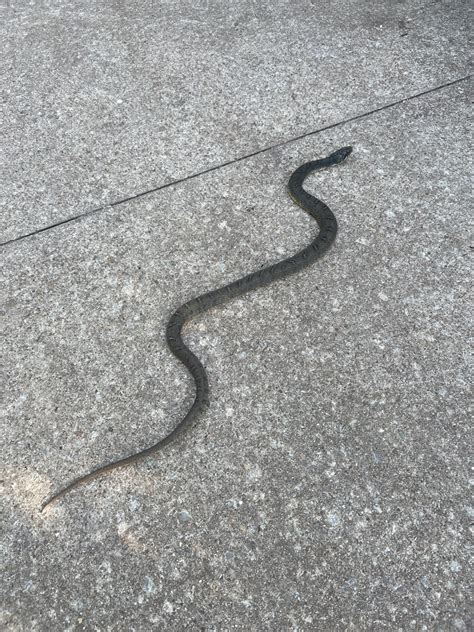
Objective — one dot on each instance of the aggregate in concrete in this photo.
(103, 100)
(327, 487)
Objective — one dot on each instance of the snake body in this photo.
(327, 233)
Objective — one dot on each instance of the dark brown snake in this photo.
(327, 233)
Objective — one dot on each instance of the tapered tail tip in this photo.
(48, 501)
(45, 504)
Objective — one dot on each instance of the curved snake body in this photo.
(327, 233)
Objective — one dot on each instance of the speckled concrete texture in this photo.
(327, 486)
(103, 100)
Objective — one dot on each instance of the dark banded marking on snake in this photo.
(316, 249)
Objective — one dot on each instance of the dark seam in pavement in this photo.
(235, 160)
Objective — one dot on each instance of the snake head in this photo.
(340, 154)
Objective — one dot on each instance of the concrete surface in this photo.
(327, 486)
(103, 100)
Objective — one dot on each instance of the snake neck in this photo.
(295, 184)
(317, 209)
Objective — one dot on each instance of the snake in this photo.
(316, 249)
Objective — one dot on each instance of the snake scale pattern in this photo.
(327, 233)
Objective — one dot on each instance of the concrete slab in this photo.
(103, 100)
(326, 488)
